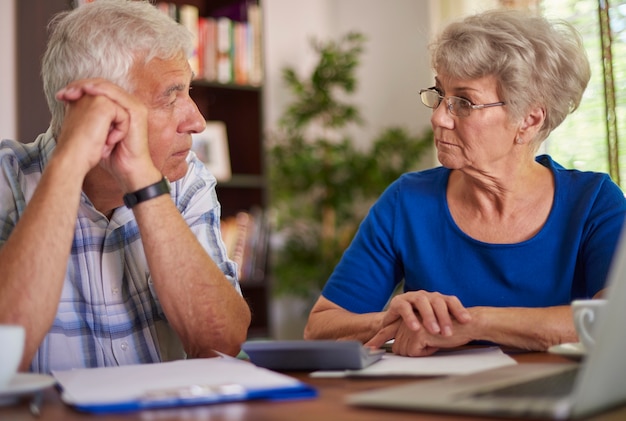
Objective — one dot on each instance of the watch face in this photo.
(130, 200)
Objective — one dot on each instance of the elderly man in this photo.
(110, 246)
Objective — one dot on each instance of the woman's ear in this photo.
(532, 123)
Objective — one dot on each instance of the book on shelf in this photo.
(207, 48)
(240, 59)
(188, 16)
(170, 9)
(255, 47)
(245, 236)
(225, 50)
(227, 44)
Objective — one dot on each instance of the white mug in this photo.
(586, 313)
(11, 348)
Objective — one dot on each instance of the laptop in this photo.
(595, 384)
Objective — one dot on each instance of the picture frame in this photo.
(211, 147)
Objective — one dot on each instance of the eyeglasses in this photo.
(460, 107)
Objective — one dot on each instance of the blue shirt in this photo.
(409, 234)
(109, 313)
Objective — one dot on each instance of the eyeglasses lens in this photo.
(456, 106)
(430, 98)
(460, 106)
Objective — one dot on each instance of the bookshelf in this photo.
(238, 106)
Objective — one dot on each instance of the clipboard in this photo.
(200, 381)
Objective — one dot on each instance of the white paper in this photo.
(442, 363)
(107, 385)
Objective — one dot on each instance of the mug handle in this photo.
(584, 321)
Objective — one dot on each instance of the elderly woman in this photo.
(494, 244)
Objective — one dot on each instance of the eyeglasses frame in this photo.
(442, 98)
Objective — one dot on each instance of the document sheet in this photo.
(442, 363)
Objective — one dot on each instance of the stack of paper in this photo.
(176, 383)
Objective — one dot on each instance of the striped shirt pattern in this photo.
(109, 313)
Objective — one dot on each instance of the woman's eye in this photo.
(465, 103)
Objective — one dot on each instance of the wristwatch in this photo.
(147, 193)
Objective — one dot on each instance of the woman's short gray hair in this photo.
(535, 61)
(105, 39)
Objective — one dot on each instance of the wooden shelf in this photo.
(244, 181)
(229, 86)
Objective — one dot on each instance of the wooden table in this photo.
(329, 406)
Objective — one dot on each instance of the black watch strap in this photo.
(147, 193)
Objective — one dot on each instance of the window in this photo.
(589, 138)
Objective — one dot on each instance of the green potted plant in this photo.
(321, 185)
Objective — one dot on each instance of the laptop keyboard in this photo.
(560, 384)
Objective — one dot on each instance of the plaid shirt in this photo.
(109, 313)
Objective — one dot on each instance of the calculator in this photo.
(309, 355)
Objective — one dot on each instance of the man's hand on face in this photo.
(115, 122)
